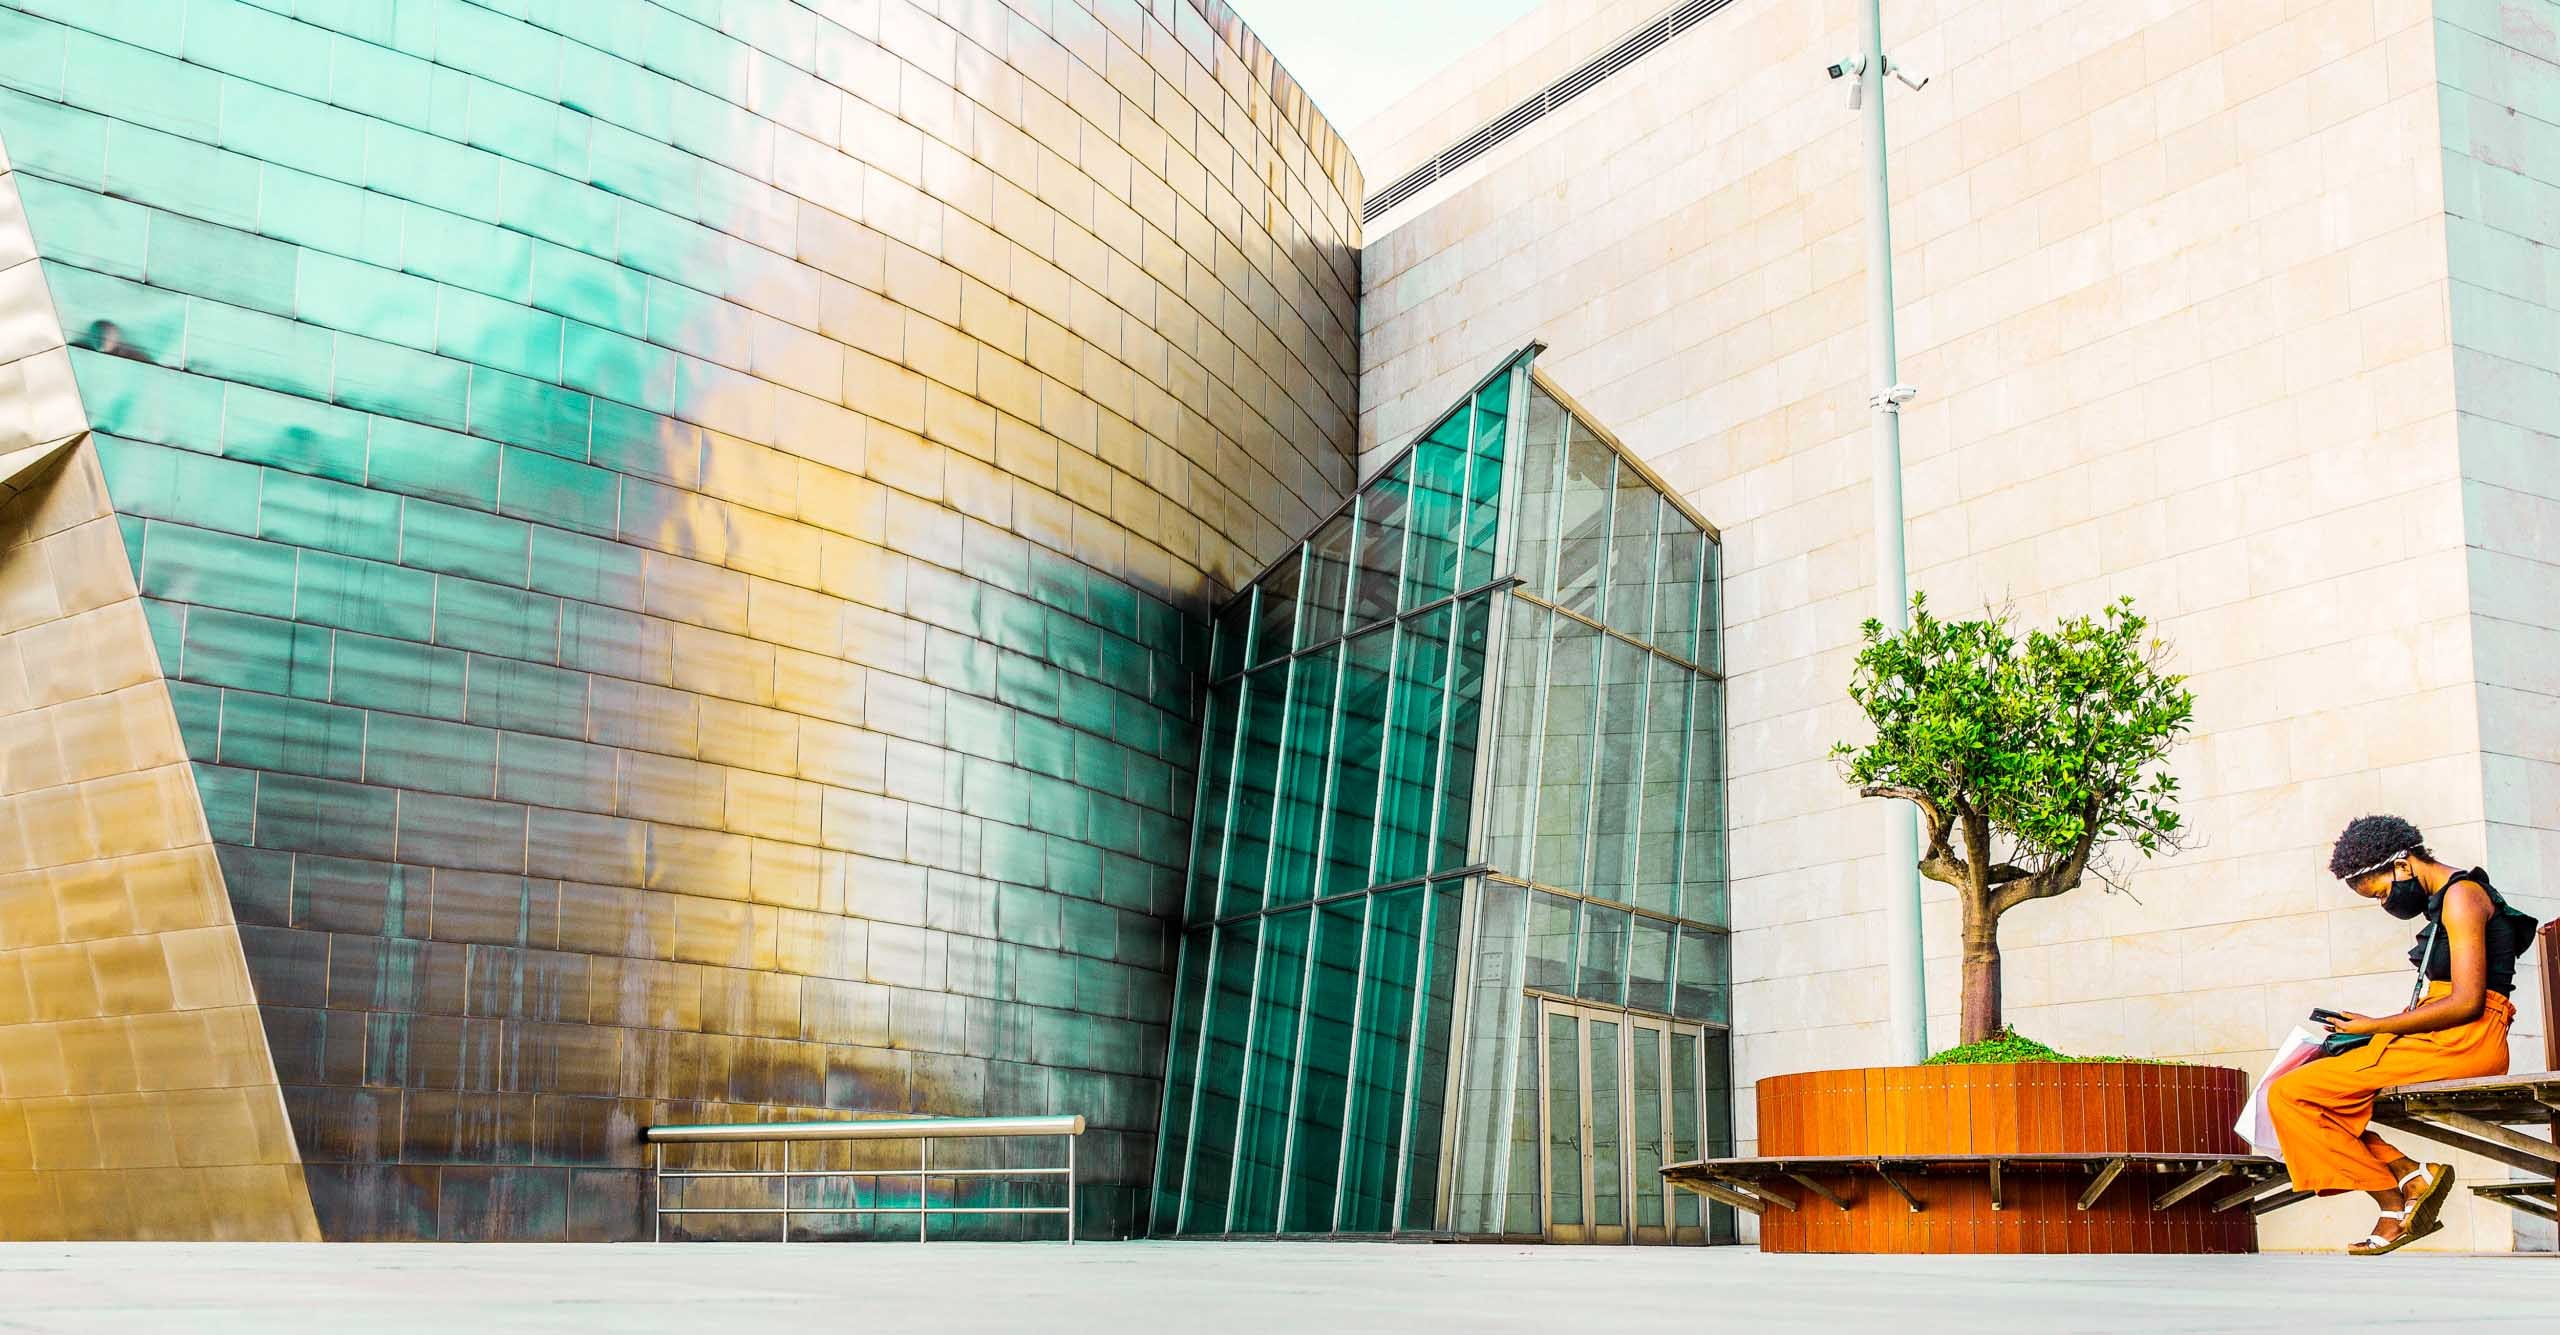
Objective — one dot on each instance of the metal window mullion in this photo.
(1599, 687)
(1680, 855)
(1411, 1103)
(1515, 432)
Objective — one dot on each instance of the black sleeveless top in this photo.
(2500, 933)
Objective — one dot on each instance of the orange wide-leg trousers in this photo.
(2321, 1108)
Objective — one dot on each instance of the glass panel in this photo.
(1248, 860)
(1439, 497)
(1644, 1112)
(1675, 600)
(1564, 1120)
(1520, 1208)
(1659, 812)
(1716, 1086)
(1550, 960)
(1328, 580)
(1489, 1061)
(1541, 461)
(1221, 1081)
(1264, 1137)
(1181, 1071)
(1458, 763)
(1383, 1065)
(1381, 548)
(1684, 1120)
(1484, 484)
(1413, 746)
(1431, 1057)
(1618, 772)
(1355, 760)
(1582, 545)
(1628, 601)
(1299, 804)
(1606, 1164)
(1235, 626)
(1217, 784)
(1710, 603)
(1275, 613)
(1649, 964)
(1604, 955)
(1702, 852)
(1519, 694)
(1564, 763)
(1315, 1148)
(1700, 994)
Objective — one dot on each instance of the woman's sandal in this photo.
(2375, 1244)
(2427, 1202)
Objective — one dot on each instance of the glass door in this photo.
(1619, 1099)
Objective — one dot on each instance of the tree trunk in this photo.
(1981, 977)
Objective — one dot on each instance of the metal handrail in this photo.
(924, 1130)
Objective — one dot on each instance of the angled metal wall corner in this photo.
(679, 536)
(137, 1095)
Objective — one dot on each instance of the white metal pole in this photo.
(1909, 1009)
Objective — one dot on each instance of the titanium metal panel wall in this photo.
(676, 533)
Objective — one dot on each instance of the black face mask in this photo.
(2407, 898)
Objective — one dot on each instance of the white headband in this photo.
(2360, 875)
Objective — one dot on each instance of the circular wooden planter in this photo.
(1915, 1112)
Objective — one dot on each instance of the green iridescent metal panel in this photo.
(680, 534)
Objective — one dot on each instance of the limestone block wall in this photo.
(2203, 308)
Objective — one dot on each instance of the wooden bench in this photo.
(2479, 1115)
(1757, 1184)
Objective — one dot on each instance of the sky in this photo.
(1357, 56)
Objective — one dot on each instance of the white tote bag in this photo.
(2254, 1125)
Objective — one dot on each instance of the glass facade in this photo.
(1454, 953)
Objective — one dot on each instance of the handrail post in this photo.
(1071, 1189)
(658, 1216)
(786, 1191)
(924, 1168)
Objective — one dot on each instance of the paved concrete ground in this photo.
(1237, 1288)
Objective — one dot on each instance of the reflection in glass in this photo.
(1700, 993)
(1299, 804)
(1458, 764)
(1413, 746)
(1356, 751)
(1628, 602)
(1660, 812)
(1675, 596)
(1587, 503)
(1649, 964)
(1438, 507)
(1263, 1136)
(1564, 764)
(1564, 1120)
(1328, 580)
(1484, 484)
(1333, 984)
(1644, 1110)
(1533, 533)
(1606, 1184)
(1618, 771)
(1439, 1005)
(1209, 825)
(1222, 1071)
(1684, 1121)
(1380, 554)
(1189, 1010)
(1248, 860)
(1604, 955)
(1382, 1062)
(1550, 943)
(1275, 609)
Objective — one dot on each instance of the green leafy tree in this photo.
(2026, 757)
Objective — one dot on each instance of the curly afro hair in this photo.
(2370, 841)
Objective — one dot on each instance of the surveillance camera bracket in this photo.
(1891, 400)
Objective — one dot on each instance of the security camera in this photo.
(1850, 68)
(1910, 81)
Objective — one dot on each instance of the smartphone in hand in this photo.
(2324, 1015)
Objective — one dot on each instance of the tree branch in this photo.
(1939, 861)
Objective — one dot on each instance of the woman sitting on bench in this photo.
(2455, 1027)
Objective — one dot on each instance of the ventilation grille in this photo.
(1637, 45)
